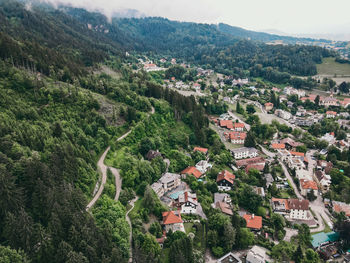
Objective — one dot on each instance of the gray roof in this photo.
(168, 177)
(244, 149)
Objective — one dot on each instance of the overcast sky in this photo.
(290, 16)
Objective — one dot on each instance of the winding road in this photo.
(103, 168)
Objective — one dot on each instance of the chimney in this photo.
(252, 216)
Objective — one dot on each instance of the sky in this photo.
(288, 16)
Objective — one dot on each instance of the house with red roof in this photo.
(228, 124)
(238, 126)
(253, 222)
(339, 207)
(278, 146)
(331, 114)
(172, 221)
(308, 186)
(236, 137)
(225, 180)
(256, 166)
(191, 170)
(268, 106)
(200, 149)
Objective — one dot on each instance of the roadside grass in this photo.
(115, 158)
(330, 67)
(136, 210)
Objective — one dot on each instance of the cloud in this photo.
(291, 16)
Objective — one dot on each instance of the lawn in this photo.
(330, 67)
(115, 158)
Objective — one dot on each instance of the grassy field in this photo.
(330, 67)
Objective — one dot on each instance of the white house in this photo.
(203, 166)
(283, 114)
(188, 202)
(298, 209)
(244, 152)
(166, 183)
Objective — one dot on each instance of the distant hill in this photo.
(264, 37)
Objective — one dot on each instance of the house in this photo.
(222, 197)
(152, 154)
(229, 258)
(196, 86)
(203, 166)
(250, 161)
(188, 203)
(236, 137)
(269, 180)
(294, 208)
(237, 126)
(298, 209)
(244, 152)
(226, 124)
(257, 255)
(170, 181)
(303, 174)
(323, 180)
(173, 61)
(328, 137)
(268, 106)
(191, 170)
(331, 114)
(257, 166)
(225, 180)
(329, 101)
(199, 149)
(307, 186)
(224, 208)
(283, 114)
(341, 207)
(172, 221)
(278, 146)
(158, 189)
(259, 191)
(253, 222)
(290, 143)
(324, 166)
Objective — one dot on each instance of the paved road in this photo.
(132, 203)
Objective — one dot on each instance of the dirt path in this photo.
(132, 203)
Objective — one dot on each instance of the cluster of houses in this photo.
(234, 132)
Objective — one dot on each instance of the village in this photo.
(296, 179)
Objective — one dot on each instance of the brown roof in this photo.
(169, 217)
(291, 142)
(225, 208)
(253, 221)
(225, 175)
(298, 204)
(254, 160)
(193, 171)
(331, 113)
(257, 166)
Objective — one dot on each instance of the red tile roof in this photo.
(253, 221)
(278, 146)
(280, 200)
(199, 149)
(331, 113)
(226, 123)
(225, 175)
(193, 171)
(297, 153)
(237, 135)
(225, 208)
(268, 104)
(238, 125)
(169, 217)
(342, 208)
(305, 184)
